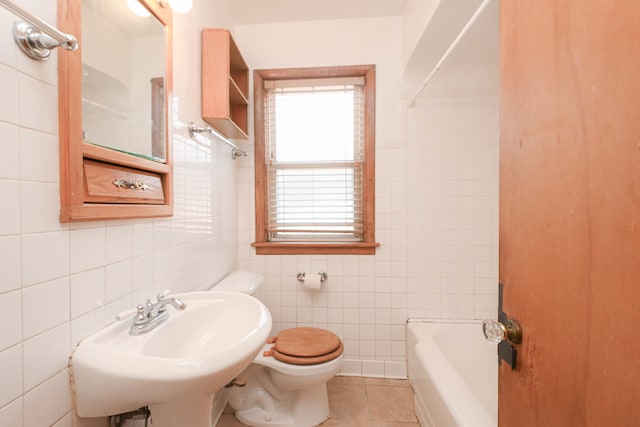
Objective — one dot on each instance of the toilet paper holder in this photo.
(301, 275)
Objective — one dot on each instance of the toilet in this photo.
(286, 385)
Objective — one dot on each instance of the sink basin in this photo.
(177, 367)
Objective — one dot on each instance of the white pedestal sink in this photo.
(174, 369)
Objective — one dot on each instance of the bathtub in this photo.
(454, 374)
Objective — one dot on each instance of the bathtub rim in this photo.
(439, 372)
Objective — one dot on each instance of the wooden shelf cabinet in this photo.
(225, 84)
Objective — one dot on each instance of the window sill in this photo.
(270, 248)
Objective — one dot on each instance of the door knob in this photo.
(496, 332)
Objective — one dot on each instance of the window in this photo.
(314, 160)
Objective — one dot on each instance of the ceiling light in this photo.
(137, 8)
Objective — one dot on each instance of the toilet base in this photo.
(308, 408)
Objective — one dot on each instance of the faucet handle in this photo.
(142, 314)
(163, 294)
(128, 313)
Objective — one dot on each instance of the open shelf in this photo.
(225, 84)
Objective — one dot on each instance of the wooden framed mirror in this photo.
(113, 109)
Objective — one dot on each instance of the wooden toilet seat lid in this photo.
(307, 346)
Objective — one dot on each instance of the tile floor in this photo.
(362, 402)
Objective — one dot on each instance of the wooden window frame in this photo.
(262, 245)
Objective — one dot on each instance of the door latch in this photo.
(505, 332)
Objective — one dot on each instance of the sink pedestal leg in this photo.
(192, 411)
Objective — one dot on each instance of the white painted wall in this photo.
(338, 42)
(416, 16)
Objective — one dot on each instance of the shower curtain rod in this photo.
(463, 32)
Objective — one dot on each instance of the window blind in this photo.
(314, 134)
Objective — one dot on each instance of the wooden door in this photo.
(570, 211)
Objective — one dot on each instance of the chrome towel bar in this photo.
(37, 40)
(236, 151)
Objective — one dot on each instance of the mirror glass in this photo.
(123, 74)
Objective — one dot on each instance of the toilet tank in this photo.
(245, 282)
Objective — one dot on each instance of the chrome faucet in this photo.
(149, 316)
(161, 305)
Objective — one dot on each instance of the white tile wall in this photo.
(47, 403)
(87, 291)
(11, 414)
(436, 220)
(10, 319)
(61, 282)
(10, 158)
(45, 256)
(45, 354)
(9, 90)
(36, 150)
(10, 265)
(45, 305)
(10, 195)
(11, 371)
